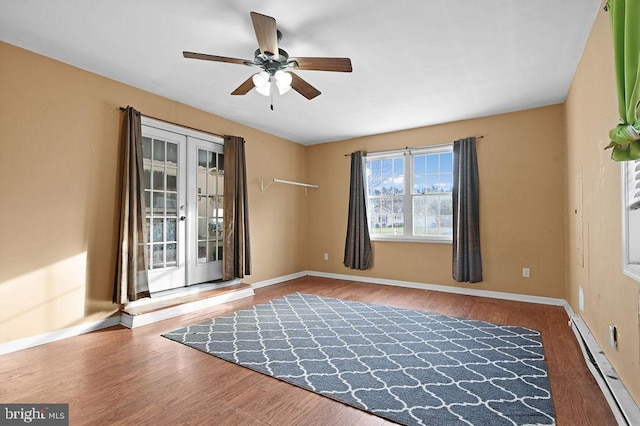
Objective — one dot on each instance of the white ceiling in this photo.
(415, 62)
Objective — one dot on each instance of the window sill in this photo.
(403, 239)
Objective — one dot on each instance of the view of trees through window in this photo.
(409, 194)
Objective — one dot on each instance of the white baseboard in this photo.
(123, 319)
(445, 289)
(133, 321)
(622, 404)
(41, 339)
(279, 280)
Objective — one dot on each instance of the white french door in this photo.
(183, 178)
(205, 187)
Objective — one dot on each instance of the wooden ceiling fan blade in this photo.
(215, 58)
(323, 64)
(266, 33)
(245, 87)
(302, 87)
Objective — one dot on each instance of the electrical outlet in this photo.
(326, 256)
(526, 273)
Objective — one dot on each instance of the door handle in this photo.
(183, 218)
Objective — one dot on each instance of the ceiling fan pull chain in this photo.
(271, 96)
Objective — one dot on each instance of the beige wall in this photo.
(59, 156)
(593, 210)
(520, 161)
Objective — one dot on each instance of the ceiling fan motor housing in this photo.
(269, 63)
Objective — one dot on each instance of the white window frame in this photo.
(630, 191)
(407, 156)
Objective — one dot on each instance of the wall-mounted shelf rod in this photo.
(307, 186)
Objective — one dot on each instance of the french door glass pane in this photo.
(209, 178)
(160, 159)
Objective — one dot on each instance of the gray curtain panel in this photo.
(237, 248)
(467, 261)
(131, 266)
(357, 251)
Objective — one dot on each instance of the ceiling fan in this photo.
(275, 63)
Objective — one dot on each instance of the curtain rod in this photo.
(177, 124)
(407, 148)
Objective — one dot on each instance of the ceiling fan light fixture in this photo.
(262, 82)
(283, 81)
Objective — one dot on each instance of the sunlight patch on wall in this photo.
(48, 298)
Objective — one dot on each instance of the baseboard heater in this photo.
(623, 406)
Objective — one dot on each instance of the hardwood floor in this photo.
(118, 376)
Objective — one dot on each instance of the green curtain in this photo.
(625, 26)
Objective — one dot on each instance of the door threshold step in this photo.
(153, 312)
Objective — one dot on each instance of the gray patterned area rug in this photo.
(410, 367)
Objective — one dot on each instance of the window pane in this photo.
(202, 158)
(202, 228)
(387, 168)
(419, 215)
(376, 169)
(375, 187)
(386, 216)
(211, 184)
(419, 184)
(432, 183)
(158, 230)
(147, 201)
(158, 180)
(220, 185)
(158, 255)
(212, 161)
(446, 225)
(172, 253)
(172, 180)
(377, 219)
(418, 164)
(202, 183)
(446, 205)
(446, 162)
(398, 166)
(172, 204)
(172, 154)
(171, 229)
(146, 148)
(202, 252)
(433, 161)
(215, 228)
(158, 150)
(158, 203)
(147, 176)
(212, 251)
(433, 206)
(446, 182)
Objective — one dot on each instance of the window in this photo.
(409, 194)
(631, 218)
